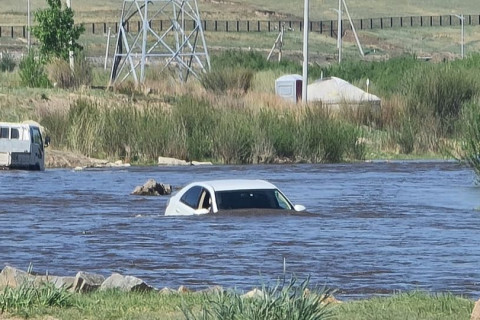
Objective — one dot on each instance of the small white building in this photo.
(335, 92)
(289, 87)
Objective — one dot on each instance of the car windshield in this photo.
(248, 199)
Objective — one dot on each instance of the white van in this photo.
(22, 146)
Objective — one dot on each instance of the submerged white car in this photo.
(227, 195)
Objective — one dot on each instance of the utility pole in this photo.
(305, 52)
(70, 53)
(462, 36)
(29, 43)
(339, 31)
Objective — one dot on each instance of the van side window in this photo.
(15, 134)
(4, 132)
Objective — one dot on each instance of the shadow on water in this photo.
(374, 228)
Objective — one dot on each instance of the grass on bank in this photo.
(231, 115)
(285, 302)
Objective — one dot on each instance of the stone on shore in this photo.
(166, 161)
(201, 163)
(87, 282)
(13, 278)
(153, 188)
(255, 293)
(125, 283)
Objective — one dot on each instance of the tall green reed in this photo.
(195, 129)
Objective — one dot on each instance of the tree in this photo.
(56, 31)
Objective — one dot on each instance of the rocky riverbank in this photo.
(67, 159)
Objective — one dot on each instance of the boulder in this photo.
(87, 282)
(183, 289)
(201, 163)
(13, 278)
(124, 283)
(255, 293)
(476, 311)
(62, 282)
(167, 291)
(165, 161)
(153, 188)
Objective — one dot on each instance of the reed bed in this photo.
(194, 129)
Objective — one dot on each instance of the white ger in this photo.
(228, 195)
(22, 146)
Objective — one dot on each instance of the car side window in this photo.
(192, 197)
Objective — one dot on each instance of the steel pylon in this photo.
(163, 33)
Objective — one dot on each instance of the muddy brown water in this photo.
(374, 228)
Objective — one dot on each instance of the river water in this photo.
(376, 228)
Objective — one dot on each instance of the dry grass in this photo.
(109, 10)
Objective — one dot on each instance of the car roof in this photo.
(237, 184)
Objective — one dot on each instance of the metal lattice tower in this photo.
(180, 45)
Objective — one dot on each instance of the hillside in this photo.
(14, 12)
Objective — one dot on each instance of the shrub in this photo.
(285, 301)
(32, 72)
(60, 74)
(439, 92)
(237, 81)
(82, 71)
(470, 124)
(28, 297)
(6, 62)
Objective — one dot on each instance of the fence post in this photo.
(421, 21)
(331, 28)
(0, 31)
(238, 25)
(248, 25)
(12, 31)
(431, 21)
(24, 33)
(381, 23)
(321, 26)
(441, 20)
(371, 23)
(204, 25)
(93, 28)
(216, 25)
(258, 26)
(268, 25)
(226, 25)
(411, 21)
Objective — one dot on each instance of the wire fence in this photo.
(328, 27)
